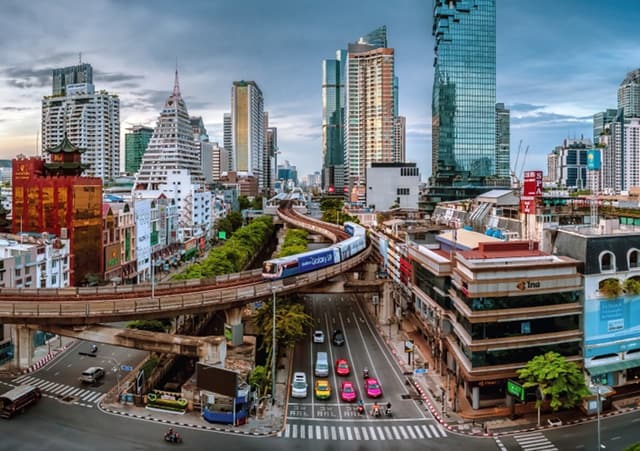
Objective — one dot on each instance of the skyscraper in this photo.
(71, 75)
(370, 108)
(629, 94)
(399, 139)
(464, 87)
(270, 157)
(227, 144)
(135, 144)
(90, 120)
(333, 105)
(503, 141)
(171, 167)
(247, 129)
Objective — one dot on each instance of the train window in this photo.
(269, 268)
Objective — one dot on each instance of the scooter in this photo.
(365, 373)
(360, 409)
(376, 413)
(172, 437)
(388, 412)
(94, 349)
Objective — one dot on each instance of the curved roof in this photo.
(65, 146)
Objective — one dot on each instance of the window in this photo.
(607, 261)
(633, 259)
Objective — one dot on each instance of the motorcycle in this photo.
(388, 412)
(376, 412)
(172, 437)
(94, 349)
(365, 373)
(360, 409)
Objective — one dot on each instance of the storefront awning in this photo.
(612, 367)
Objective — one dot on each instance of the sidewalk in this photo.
(41, 355)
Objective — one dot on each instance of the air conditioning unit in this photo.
(63, 233)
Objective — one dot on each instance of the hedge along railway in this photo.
(84, 306)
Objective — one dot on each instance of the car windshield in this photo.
(299, 384)
(348, 389)
(373, 385)
(343, 365)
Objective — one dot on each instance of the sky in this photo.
(558, 63)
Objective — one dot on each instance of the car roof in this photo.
(93, 369)
(299, 375)
(372, 380)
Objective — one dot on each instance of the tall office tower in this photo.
(171, 164)
(219, 162)
(227, 142)
(333, 105)
(629, 94)
(399, 139)
(503, 141)
(369, 113)
(464, 87)
(90, 120)
(270, 155)
(247, 130)
(600, 121)
(72, 75)
(135, 144)
(203, 145)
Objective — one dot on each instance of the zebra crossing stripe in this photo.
(310, 429)
(341, 433)
(356, 434)
(295, 431)
(349, 436)
(365, 436)
(442, 430)
(21, 378)
(411, 433)
(418, 431)
(380, 433)
(434, 430)
(302, 431)
(60, 389)
(426, 430)
(396, 434)
(333, 433)
(318, 432)
(403, 432)
(372, 433)
(325, 430)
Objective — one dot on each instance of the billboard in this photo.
(112, 256)
(593, 160)
(217, 380)
(527, 205)
(532, 184)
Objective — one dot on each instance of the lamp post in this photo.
(273, 351)
(597, 386)
(153, 279)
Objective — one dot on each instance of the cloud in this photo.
(524, 107)
(14, 108)
(26, 78)
(550, 119)
(115, 77)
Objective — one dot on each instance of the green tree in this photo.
(244, 202)
(635, 447)
(555, 377)
(258, 378)
(632, 286)
(153, 325)
(610, 288)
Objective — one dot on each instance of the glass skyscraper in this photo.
(135, 144)
(333, 104)
(464, 87)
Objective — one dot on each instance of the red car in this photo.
(348, 392)
(372, 388)
(342, 367)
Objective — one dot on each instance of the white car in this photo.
(299, 385)
(318, 336)
(555, 421)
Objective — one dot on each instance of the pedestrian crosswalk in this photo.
(364, 432)
(534, 441)
(79, 394)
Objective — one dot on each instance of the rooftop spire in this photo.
(176, 83)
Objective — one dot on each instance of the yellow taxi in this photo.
(322, 389)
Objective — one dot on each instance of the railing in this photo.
(91, 311)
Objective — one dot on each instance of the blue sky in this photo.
(558, 63)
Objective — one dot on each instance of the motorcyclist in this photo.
(365, 372)
(94, 349)
(170, 435)
(360, 407)
(375, 411)
(387, 410)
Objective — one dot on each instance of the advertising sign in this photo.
(593, 160)
(112, 256)
(315, 261)
(532, 184)
(527, 205)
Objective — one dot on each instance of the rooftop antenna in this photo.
(176, 83)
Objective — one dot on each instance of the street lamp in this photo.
(273, 351)
(598, 386)
(153, 279)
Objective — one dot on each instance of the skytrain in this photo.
(280, 268)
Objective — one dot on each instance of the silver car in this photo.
(299, 385)
(318, 336)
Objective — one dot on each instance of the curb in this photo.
(47, 358)
(188, 425)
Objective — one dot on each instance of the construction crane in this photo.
(515, 182)
(524, 159)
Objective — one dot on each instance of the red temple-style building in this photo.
(53, 197)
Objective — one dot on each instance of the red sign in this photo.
(532, 185)
(527, 206)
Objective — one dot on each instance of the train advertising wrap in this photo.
(315, 261)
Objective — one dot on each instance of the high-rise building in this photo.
(71, 75)
(571, 163)
(399, 139)
(629, 94)
(464, 87)
(600, 120)
(227, 143)
(135, 144)
(333, 106)
(90, 120)
(219, 162)
(503, 141)
(171, 167)
(247, 130)
(370, 108)
(270, 155)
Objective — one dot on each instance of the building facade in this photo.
(333, 110)
(464, 87)
(400, 139)
(135, 144)
(54, 198)
(571, 163)
(247, 129)
(629, 94)
(393, 185)
(90, 120)
(503, 141)
(370, 109)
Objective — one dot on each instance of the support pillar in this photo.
(213, 351)
(234, 325)
(23, 346)
(475, 397)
